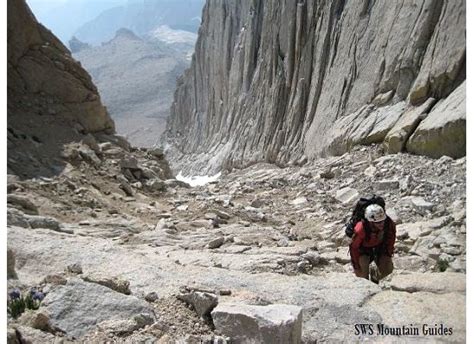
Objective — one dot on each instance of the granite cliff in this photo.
(288, 81)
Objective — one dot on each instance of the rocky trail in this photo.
(125, 253)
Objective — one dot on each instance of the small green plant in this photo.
(18, 303)
(442, 264)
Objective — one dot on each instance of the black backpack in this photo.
(359, 210)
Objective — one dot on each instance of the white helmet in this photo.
(374, 213)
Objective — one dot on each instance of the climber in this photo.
(373, 240)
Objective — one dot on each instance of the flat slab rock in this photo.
(443, 282)
(398, 308)
(275, 323)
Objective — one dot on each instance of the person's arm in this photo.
(357, 241)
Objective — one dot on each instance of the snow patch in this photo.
(166, 34)
(197, 180)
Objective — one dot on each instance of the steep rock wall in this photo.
(51, 98)
(272, 81)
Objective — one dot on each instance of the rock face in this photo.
(45, 86)
(278, 82)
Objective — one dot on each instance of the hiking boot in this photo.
(374, 274)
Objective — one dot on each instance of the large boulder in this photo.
(397, 137)
(78, 306)
(443, 132)
(259, 324)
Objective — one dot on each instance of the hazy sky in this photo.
(64, 17)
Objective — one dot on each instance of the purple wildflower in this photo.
(14, 294)
(37, 295)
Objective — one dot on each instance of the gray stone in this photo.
(299, 201)
(202, 302)
(78, 306)
(155, 184)
(387, 184)
(89, 155)
(397, 137)
(91, 142)
(24, 202)
(75, 268)
(151, 297)
(126, 187)
(156, 152)
(129, 162)
(421, 204)
(16, 217)
(44, 222)
(347, 196)
(117, 284)
(216, 243)
(313, 257)
(383, 98)
(31, 335)
(12, 337)
(275, 323)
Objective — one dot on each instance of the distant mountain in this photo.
(65, 17)
(142, 17)
(136, 79)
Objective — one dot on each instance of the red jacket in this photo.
(383, 241)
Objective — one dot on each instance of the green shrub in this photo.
(442, 265)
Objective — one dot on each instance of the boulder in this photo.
(78, 306)
(129, 162)
(16, 217)
(383, 98)
(277, 323)
(151, 297)
(155, 184)
(202, 302)
(347, 196)
(397, 137)
(89, 155)
(43, 222)
(216, 243)
(299, 201)
(387, 184)
(443, 131)
(23, 202)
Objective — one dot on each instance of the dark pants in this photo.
(384, 266)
